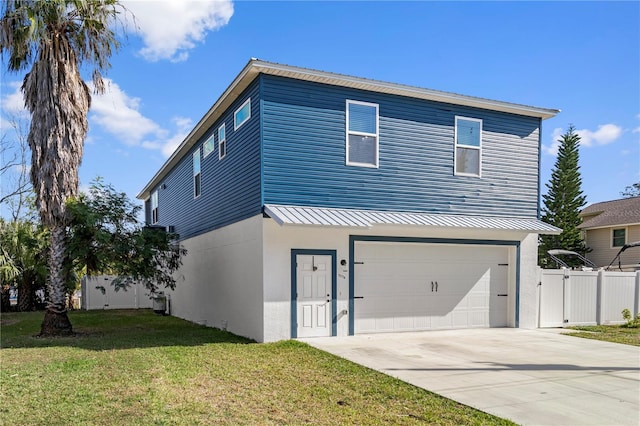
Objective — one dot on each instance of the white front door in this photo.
(313, 288)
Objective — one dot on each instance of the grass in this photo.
(134, 367)
(608, 333)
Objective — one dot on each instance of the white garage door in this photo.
(418, 286)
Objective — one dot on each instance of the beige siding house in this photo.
(608, 226)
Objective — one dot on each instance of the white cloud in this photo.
(116, 113)
(170, 28)
(119, 114)
(604, 135)
(13, 102)
(552, 149)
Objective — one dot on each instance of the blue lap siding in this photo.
(230, 187)
(304, 154)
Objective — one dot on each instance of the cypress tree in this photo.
(564, 201)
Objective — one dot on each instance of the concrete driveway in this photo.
(532, 377)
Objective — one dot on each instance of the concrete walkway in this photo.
(532, 377)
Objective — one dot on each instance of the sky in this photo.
(177, 58)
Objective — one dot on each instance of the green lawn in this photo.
(608, 333)
(135, 367)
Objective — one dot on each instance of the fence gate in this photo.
(569, 297)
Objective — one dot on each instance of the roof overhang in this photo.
(322, 216)
(612, 226)
(256, 67)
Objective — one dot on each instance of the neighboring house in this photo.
(319, 204)
(607, 227)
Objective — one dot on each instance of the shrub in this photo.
(631, 321)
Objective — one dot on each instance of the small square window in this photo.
(362, 134)
(242, 114)
(197, 185)
(619, 237)
(468, 147)
(208, 146)
(222, 142)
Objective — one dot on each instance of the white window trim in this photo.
(236, 126)
(376, 135)
(154, 210)
(196, 195)
(626, 236)
(455, 150)
(210, 138)
(222, 142)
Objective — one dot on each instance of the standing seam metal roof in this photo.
(322, 216)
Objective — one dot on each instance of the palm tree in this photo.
(55, 38)
(25, 245)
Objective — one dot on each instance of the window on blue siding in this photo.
(222, 142)
(619, 237)
(242, 114)
(362, 134)
(154, 207)
(208, 146)
(468, 141)
(197, 184)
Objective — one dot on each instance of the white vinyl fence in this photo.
(569, 297)
(99, 293)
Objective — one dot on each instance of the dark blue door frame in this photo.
(354, 238)
(294, 287)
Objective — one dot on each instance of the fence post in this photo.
(566, 296)
(636, 304)
(539, 296)
(600, 297)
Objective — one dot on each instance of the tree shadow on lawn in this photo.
(113, 329)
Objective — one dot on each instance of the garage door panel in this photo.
(417, 286)
(377, 286)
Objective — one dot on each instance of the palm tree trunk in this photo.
(56, 321)
(25, 293)
(5, 302)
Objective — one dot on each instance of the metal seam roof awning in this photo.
(322, 216)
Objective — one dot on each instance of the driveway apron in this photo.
(532, 377)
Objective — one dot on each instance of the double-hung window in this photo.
(222, 142)
(362, 134)
(154, 207)
(197, 184)
(618, 237)
(242, 114)
(468, 150)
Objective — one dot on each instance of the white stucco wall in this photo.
(220, 281)
(529, 278)
(278, 243)
(280, 240)
(239, 277)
